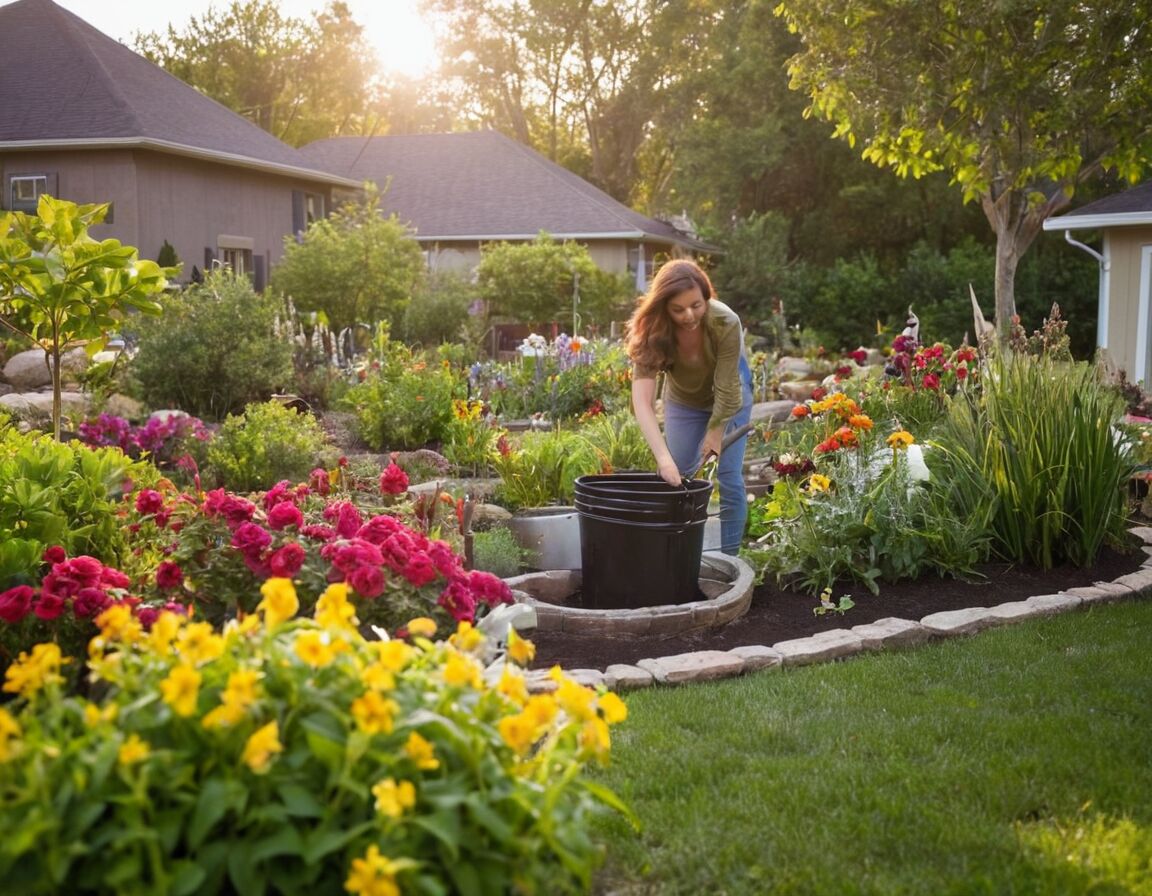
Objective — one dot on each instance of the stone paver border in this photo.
(883, 634)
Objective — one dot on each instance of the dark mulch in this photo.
(776, 615)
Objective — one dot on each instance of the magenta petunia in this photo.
(489, 589)
(48, 606)
(90, 602)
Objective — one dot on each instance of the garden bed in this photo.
(779, 615)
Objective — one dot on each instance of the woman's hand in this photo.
(713, 440)
(669, 472)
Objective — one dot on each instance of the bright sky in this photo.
(402, 40)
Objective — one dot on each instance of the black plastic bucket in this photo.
(640, 539)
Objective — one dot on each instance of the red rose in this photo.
(149, 501)
(285, 514)
(286, 562)
(250, 539)
(367, 581)
(48, 607)
(169, 575)
(55, 554)
(457, 599)
(90, 602)
(16, 603)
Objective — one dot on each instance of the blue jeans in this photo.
(684, 430)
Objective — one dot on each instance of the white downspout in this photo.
(1102, 290)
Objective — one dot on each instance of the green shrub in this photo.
(438, 312)
(470, 437)
(496, 551)
(404, 402)
(1039, 444)
(214, 350)
(267, 443)
(67, 495)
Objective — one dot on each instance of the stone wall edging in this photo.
(889, 633)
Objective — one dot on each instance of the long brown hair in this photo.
(649, 335)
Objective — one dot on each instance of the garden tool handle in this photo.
(713, 458)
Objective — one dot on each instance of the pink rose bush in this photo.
(216, 552)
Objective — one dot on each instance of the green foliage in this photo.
(66, 495)
(844, 300)
(439, 310)
(470, 437)
(356, 266)
(1039, 447)
(899, 79)
(300, 79)
(496, 551)
(215, 351)
(533, 283)
(872, 523)
(617, 440)
(167, 257)
(543, 467)
(297, 758)
(267, 443)
(404, 401)
(60, 288)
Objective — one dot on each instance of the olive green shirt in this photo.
(712, 382)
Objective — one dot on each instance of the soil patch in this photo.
(779, 615)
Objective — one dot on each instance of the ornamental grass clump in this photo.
(1040, 445)
(290, 755)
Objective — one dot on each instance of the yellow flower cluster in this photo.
(32, 672)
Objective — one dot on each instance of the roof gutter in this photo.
(1105, 265)
(1095, 222)
(182, 149)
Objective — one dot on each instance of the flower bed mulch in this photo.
(777, 615)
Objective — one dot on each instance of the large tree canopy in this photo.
(1019, 101)
(299, 80)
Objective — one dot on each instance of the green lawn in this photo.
(1018, 761)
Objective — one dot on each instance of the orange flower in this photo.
(801, 410)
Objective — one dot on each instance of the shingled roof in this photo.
(483, 185)
(64, 84)
(1125, 209)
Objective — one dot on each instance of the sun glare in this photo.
(404, 42)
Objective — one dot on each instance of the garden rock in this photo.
(36, 407)
(799, 390)
(123, 406)
(829, 645)
(756, 657)
(890, 632)
(961, 622)
(792, 368)
(772, 411)
(28, 370)
(703, 665)
(629, 677)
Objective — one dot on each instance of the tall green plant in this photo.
(61, 288)
(216, 350)
(1040, 442)
(544, 468)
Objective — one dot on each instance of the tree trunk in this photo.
(53, 358)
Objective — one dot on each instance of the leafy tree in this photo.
(533, 283)
(296, 79)
(356, 266)
(582, 81)
(1020, 102)
(60, 288)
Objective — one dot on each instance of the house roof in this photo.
(66, 85)
(1125, 209)
(483, 185)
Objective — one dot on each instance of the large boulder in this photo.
(28, 371)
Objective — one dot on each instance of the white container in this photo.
(550, 536)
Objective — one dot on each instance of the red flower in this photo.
(283, 515)
(320, 481)
(251, 539)
(379, 528)
(345, 518)
(149, 501)
(818, 393)
(393, 481)
(457, 599)
(90, 602)
(491, 589)
(287, 561)
(801, 410)
(48, 607)
(860, 356)
(55, 554)
(169, 575)
(367, 581)
(419, 570)
(16, 603)
(931, 381)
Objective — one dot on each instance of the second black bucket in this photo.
(640, 540)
